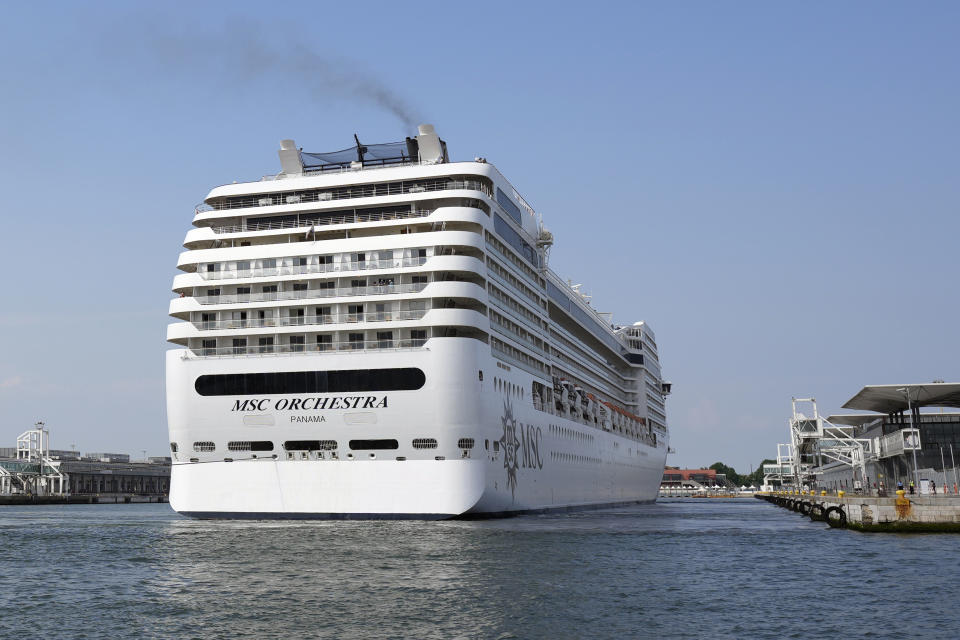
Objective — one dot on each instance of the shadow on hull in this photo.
(240, 515)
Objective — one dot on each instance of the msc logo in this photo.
(251, 405)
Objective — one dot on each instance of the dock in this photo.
(33, 474)
(900, 513)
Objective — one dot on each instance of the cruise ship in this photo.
(375, 333)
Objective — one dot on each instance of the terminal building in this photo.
(33, 472)
(901, 434)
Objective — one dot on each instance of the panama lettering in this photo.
(311, 404)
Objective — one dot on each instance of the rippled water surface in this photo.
(717, 569)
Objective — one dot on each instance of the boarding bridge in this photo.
(33, 471)
(898, 443)
(814, 440)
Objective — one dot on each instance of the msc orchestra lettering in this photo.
(311, 404)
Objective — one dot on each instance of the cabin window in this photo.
(296, 343)
(324, 342)
(368, 445)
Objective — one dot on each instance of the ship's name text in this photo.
(311, 404)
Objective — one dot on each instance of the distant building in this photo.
(108, 457)
(63, 454)
(40, 471)
(675, 477)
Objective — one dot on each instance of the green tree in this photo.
(755, 478)
(729, 472)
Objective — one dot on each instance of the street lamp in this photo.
(916, 472)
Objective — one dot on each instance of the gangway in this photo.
(33, 471)
(815, 439)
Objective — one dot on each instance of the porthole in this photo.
(465, 443)
(424, 443)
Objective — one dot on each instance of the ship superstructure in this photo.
(375, 332)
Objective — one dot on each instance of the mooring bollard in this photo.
(840, 493)
(823, 492)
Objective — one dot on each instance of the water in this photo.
(718, 569)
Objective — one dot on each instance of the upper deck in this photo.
(377, 248)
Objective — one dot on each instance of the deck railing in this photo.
(308, 222)
(343, 193)
(304, 269)
(300, 321)
(312, 294)
(324, 347)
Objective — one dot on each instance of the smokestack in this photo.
(290, 161)
(431, 147)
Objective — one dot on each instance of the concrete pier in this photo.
(903, 513)
(108, 498)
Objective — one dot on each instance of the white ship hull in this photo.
(376, 332)
(523, 459)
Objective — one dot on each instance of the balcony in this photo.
(328, 347)
(306, 222)
(343, 193)
(312, 294)
(305, 269)
(298, 321)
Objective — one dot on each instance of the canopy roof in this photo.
(854, 419)
(892, 398)
(369, 153)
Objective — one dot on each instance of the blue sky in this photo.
(772, 186)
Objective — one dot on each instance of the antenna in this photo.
(361, 150)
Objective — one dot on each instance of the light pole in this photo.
(953, 463)
(943, 466)
(916, 472)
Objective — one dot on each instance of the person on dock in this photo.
(912, 488)
(933, 487)
(899, 485)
